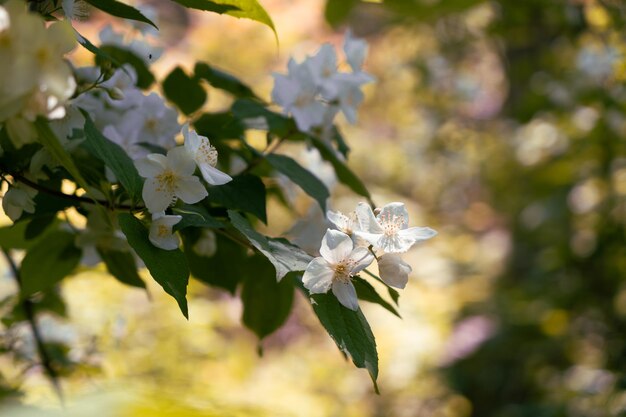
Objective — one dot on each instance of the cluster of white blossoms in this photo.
(171, 177)
(35, 79)
(314, 91)
(361, 238)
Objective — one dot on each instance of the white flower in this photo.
(169, 178)
(393, 270)
(347, 224)
(17, 200)
(340, 261)
(205, 157)
(157, 123)
(206, 245)
(124, 81)
(128, 141)
(140, 47)
(76, 9)
(389, 230)
(323, 66)
(297, 93)
(355, 50)
(161, 234)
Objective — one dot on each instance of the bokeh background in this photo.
(502, 125)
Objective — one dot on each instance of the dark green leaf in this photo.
(350, 331)
(344, 174)
(284, 256)
(244, 192)
(167, 267)
(85, 43)
(207, 5)
(118, 9)
(51, 143)
(14, 237)
(366, 292)
(224, 269)
(337, 11)
(223, 80)
(122, 56)
(266, 303)
(114, 157)
(248, 9)
(304, 178)
(47, 262)
(218, 126)
(342, 146)
(122, 266)
(186, 92)
(278, 124)
(196, 216)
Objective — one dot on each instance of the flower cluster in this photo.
(35, 80)
(314, 91)
(362, 237)
(171, 177)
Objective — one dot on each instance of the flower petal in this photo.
(190, 190)
(346, 294)
(149, 167)
(318, 276)
(180, 161)
(362, 258)
(213, 175)
(336, 246)
(169, 242)
(417, 233)
(393, 270)
(157, 198)
(396, 213)
(367, 221)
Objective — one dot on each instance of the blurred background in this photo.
(502, 125)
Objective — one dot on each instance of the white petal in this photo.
(362, 258)
(179, 160)
(367, 221)
(393, 270)
(190, 190)
(394, 212)
(318, 276)
(394, 243)
(156, 198)
(371, 238)
(417, 233)
(346, 294)
(336, 246)
(213, 175)
(340, 220)
(169, 242)
(192, 141)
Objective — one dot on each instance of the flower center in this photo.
(207, 153)
(151, 124)
(391, 224)
(167, 181)
(343, 271)
(163, 230)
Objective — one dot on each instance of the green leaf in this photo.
(301, 176)
(278, 124)
(85, 43)
(218, 126)
(196, 216)
(122, 56)
(51, 143)
(186, 92)
(47, 262)
(122, 266)
(14, 236)
(266, 303)
(247, 9)
(168, 267)
(337, 11)
(118, 9)
(225, 269)
(344, 174)
(366, 292)
(284, 256)
(244, 192)
(350, 331)
(114, 157)
(393, 293)
(223, 80)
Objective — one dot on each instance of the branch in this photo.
(29, 312)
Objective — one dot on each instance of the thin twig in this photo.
(29, 312)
